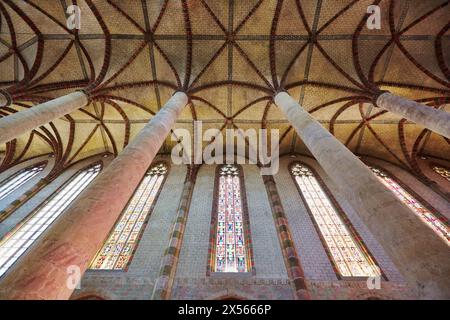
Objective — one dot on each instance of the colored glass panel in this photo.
(26, 233)
(347, 255)
(444, 172)
(119, 247)
(19, 179)
(423, 213)
(231, 251)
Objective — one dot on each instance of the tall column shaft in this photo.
(419, 254)
(291, 259)
(24, 121)
(75, 239)
(431, 118)
(169, 263)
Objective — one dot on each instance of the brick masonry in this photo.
(315, 262)
(270, 280)
(137, 282)
(291, 259)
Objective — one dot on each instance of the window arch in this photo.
(443, 172)
(18, 179)
(25, 233)
(230, 235)
(349, 256)
(438, 224)
(118, 249)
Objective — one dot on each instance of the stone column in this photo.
(163, 284)
(419, 254)
(291, 259)
(75, 238)
(24, 121)
(431, 118)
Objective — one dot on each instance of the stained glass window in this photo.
(119, 247)
(231, 254)
(347, 254)
(423, 213)
(19, 179)
(444, 172)
(24, 234)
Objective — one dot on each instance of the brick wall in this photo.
(316, 264)
(270, 280)
(137, 282)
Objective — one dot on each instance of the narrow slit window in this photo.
(18, 179)
(25, 233)
(118, 249)
(231, 253)
(349, 256)
(443, 172)
(438, 225)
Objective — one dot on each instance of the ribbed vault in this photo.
(230, 57)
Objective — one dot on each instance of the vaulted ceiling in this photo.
(230, 56)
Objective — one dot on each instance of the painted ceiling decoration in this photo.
(230, 57)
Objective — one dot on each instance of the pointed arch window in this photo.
(439, 225)
(118, 249)
(18, 179)
(25, 233)
(231, 246)
(443, 172)
(349, 256)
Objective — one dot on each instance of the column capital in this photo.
(181, 92)
(278, 91)
(283, 96)
(87, 92)
(377, 95)
(5, 98)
